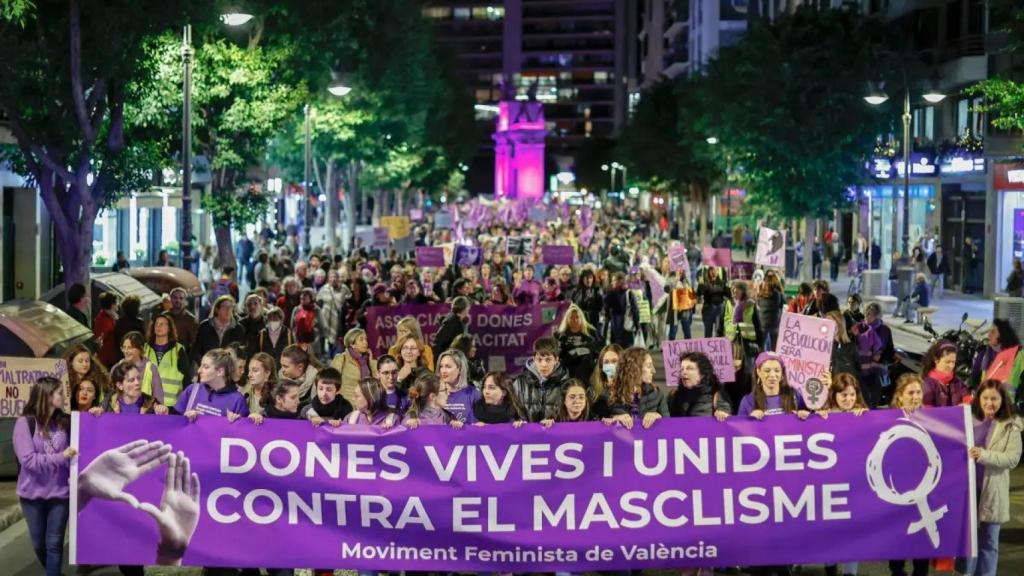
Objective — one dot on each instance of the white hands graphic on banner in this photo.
(178, 514)
(885, 489)
(110, 472)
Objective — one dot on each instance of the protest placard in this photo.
(558, 255)
(718, 350)
(430, 256)
(468, 255)
(416, 214)
(381, 239)
(771, 248)
(519, 245)
(443, 220)
(18, 375)
(677, 259)
(717, 257)
(398, 226)
(805, 345)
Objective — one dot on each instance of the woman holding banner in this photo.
(699, 393)
(453, 370)
(633, 397)
(942, 387)
(907, 397)
(772, 394)
(42, 444)
(603, 378)
(997, 450)
(130, 397)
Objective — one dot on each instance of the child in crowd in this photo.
(328, 404)
(574, 407)
(427, 398)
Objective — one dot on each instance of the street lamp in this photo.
(231, 19)
(337, 88)
(876, 97)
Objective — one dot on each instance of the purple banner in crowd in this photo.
(430, 256)
(558, 255)
(576, 497)
(504, 334)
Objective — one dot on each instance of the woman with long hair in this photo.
(427, 398)
(499, 403)
(42, 443)
(411, 364)
(574, 406)
(578, 343)
(84, 365)
(997, 450)
(453, 370)
(371, 406)
(633, 397)
(1004, 358)
(590, 298)
(908, 397)
(771, 301)
(130, 397)
(409, 325)
(164, 351)
(214, 393)
(772, 393)
(845, 355)
(602, 379)
(262, 378)
(132, 348)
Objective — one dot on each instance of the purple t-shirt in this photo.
(205, 400)
(133, 408)
(398, 403)
(460, 404)
(359, 417)
(773, 407)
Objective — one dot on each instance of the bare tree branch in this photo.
(115, 137)
(52, 163)
(77, 93)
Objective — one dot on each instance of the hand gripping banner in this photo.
(687, 492)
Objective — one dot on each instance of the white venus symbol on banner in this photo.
(919, 495)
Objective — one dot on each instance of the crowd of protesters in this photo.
(296, 347)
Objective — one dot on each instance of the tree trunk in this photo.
(809, 236)
(74, 243)
(350, 207)
(331, 216)
(225, 251)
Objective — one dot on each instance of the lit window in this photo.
(438, 12)
(488, 12)
(462, 13)
(483, 95)
(600, 77)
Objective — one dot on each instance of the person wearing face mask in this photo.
(699, 392)
(275, 336)
(634, 398)
(602, 379)
(942, 387)
(997, 451)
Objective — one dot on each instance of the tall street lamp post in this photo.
(231, 19)
(877, 97)
(337, 88)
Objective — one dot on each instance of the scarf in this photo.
(490, 414)
(943, 378)
(336, 410)
(273, 412)
(364, 367)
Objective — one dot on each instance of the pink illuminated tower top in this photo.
(519, 149)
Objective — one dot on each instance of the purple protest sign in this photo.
(416, 214)
(677, 259)
(381, 238)
(504, 335)
(688, 492)
(717, 257)
(805, 345)
(741, 271)
(771, 248)
(430, 257)
(558, 255)
(718, 350)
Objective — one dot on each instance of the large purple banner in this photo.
(504, 334)
(575, 497)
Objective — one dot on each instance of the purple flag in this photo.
(430, 257)
(688, 492)
(587, 234)
(558, 255)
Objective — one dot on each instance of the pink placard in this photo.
(718, 257)
(718, 350)
(805, 345)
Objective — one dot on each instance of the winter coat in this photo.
(207, 338)
(350, 374)
(579, 353)
(332, 304)
(699, 401)
(937, 395)
(539, 398)
(845, 359)
(451, 327)
(769, 310)
(1000, 455)
(652, 399)
(591, 301)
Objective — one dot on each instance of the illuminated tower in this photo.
(519, 149)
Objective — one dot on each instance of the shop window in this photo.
(462, 13)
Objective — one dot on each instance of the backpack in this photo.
(220, 288)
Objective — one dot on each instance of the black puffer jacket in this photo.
(652, 399)
(699, 401)
(540, 398)
(845, 359)
(591, 301)
(579, 354)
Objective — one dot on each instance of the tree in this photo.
(665, 146)
(67, 66)
(788, 108)
(242, 94)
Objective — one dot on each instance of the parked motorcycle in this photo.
(969, 346)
